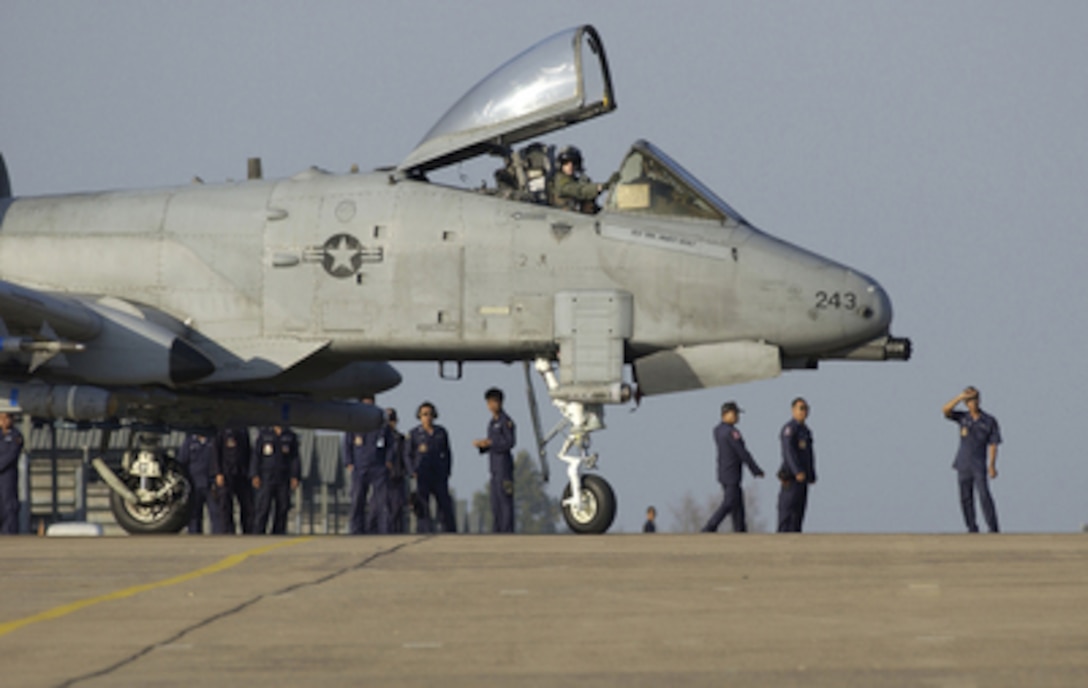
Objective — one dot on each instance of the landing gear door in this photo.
(591, 328)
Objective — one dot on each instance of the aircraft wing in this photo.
(38, 327)
(254, 358)
(29, 312)
(118, 342)
(94, 358)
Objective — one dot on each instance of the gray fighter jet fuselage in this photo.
(279, 301)
(372, 268)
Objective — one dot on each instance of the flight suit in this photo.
(503, 436)
(368, 453)
(574, 192)
(199, 459)
(797, 457)
(397, 494)
(276, 461)
(11, 448)
(234, 450)
(975, 437)
(432, 462)
(732, 456)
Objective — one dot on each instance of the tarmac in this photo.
(623, 610)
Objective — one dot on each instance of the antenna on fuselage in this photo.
(5, 181)
(253, 168)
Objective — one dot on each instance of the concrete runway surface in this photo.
(624, 610)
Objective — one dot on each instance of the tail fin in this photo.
(5, 182)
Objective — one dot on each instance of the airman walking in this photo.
(732, 456)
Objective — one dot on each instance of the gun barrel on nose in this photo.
(881, 349)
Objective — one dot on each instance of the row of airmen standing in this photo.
(381, 461)
(260, 476)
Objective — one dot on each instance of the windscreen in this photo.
(652, 183)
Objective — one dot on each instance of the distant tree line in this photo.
(690, 514)
(535, 512)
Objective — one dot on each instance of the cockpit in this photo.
(560, 81)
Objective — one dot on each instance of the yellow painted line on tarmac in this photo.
(221, 565)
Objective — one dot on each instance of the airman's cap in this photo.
(731, 406)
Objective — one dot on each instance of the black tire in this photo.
(598, 507)
(156, 519)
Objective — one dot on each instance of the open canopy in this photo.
(559, 81)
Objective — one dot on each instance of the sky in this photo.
(941, 148)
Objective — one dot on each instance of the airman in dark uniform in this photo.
(732, 456)
(574, 190)
(200, 461)
(499, 445)
(979, 437)
(275, 469)
(11, 448)
(650, 526)
(432, 463)
(367, 459)
(798, 469)
(399, 470)
(234, 451)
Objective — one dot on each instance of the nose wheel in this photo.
(595, 511)
(589, 504)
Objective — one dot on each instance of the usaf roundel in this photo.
(343, 255)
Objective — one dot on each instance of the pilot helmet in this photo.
(570, 154)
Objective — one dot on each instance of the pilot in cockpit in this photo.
(572, 188)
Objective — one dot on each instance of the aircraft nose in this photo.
(873, 315)
(870, 323)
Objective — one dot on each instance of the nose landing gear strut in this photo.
(589, 504)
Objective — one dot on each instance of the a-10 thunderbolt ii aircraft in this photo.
(281, 302)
